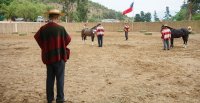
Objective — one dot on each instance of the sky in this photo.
(143, 5)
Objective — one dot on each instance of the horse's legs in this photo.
(172, 42)
(185, 39)
(184, 42)
(92, 38)
(84, 37)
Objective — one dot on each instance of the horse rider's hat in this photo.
(55, 11)
(165, 25)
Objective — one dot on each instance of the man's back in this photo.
(53, 40)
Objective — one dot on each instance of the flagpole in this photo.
(133, 17)
(132, 21)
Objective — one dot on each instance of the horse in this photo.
(177, 33)
(89, 32)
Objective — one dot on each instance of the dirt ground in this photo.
(133, 71)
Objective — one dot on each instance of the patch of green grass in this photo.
(22, 34)
(14, 32)
(120, 31)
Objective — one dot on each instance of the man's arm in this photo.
(37, 38)
(67, 37)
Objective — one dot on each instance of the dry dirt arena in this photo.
(133, 71)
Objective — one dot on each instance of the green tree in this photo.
(189, 11)
(196, 17)
(142, 15)
(25, 9)
(29, 10)
(147, 17)
(68, 8)
(119, 16)
(6, 2)
(193, 8)
(82, 10)
(8, 10)
(167, 14)
(156, 16)
(3, 3)
(181, 15)
(138, 18)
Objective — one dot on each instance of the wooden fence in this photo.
(32, 27)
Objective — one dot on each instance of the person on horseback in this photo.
(166, 36)
(85, 26)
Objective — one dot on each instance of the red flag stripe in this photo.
(129, 9)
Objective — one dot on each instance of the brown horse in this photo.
(89, 32)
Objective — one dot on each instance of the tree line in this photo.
(190, 10)
(85, 10)
(74, 10)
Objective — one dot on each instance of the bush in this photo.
(147, 33)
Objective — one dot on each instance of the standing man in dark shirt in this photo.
(53, 40)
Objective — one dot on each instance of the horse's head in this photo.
(95, 26)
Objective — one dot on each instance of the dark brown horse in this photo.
(89, 32)
(177, 33)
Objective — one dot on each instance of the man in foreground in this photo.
(53, 41)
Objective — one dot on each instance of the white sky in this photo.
(143, 5)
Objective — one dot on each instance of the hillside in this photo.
(99, 12)
(96, 12)
(75, 10)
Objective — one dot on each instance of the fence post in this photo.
(15, 28)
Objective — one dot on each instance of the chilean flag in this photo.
(129, 9)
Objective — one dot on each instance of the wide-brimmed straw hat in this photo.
(189, 28)
(55, 11)
(165, 25)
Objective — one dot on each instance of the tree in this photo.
(147, 17)
(25, 9)
(3, 3)
(138, 18)
(142, 15)
(155, 16)
(167, 14)
(68, 8)
(82, 10)
(193, 8)
(181, 15)
(189, 11)
(8, 10)
(6, 2)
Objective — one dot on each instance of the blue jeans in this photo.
(55, 70)
(166, 44)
